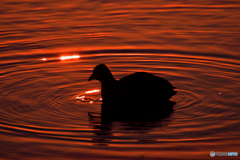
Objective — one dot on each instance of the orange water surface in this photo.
(48, 50)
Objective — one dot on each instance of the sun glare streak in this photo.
(62, 58)
(69, 57)
(93, 91)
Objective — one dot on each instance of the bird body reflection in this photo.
(139, 95)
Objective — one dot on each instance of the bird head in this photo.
(102, 73)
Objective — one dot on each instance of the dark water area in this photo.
(49, 49)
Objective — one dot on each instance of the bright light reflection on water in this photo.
(48, 50)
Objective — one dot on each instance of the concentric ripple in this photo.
(42, 103)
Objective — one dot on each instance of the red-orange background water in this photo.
(193, 44)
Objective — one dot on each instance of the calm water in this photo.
(194, 45)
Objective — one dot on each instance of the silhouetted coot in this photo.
(137, 93)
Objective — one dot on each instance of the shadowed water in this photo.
(194, 45)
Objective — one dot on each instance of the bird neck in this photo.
(109, 80)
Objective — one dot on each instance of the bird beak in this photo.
(91, 78)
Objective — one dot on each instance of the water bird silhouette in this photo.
(137, 95)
